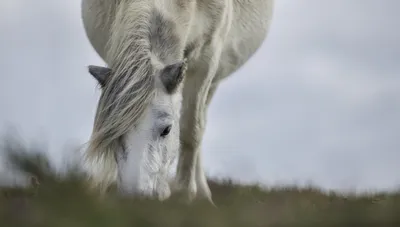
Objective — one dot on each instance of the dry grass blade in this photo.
(52, 200)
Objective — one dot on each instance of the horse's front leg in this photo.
(190, 178)
(203, 190)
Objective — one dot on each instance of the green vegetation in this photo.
(62, 200)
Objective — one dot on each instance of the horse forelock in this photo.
(131, 87)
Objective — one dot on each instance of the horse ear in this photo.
(172, 75)
(99, 73)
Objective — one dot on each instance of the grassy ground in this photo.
(65, 202)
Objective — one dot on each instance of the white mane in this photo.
(131, 86)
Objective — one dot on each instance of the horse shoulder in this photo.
(250, 26)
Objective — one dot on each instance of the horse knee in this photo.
(191, 137)
(190, 143)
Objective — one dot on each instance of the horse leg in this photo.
(198, 85)
(203, 190)
(191, 133)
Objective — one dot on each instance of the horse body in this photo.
(215, 37)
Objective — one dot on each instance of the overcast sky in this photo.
(319, 102)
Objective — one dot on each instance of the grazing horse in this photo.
(165, 59)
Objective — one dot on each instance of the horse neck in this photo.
(141, 30)
(128, 43)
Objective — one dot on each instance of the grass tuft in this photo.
(54, 199)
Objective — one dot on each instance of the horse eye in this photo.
(166, 131)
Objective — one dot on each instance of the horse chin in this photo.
(135, 180)
(159, 191)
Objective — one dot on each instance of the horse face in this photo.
(148, 150)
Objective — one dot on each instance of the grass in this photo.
(63, 200)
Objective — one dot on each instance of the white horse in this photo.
(165, 59)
